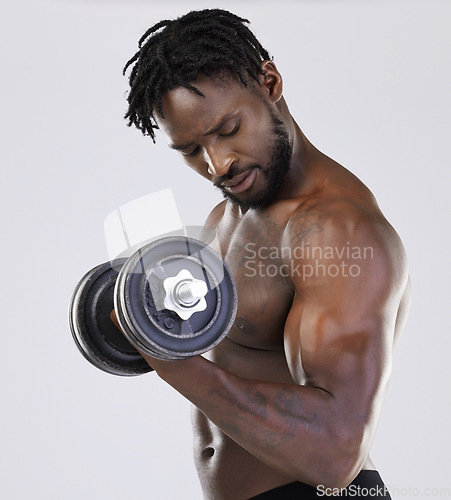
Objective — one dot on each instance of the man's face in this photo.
(232, 137)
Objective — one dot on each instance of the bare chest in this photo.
(253, 253)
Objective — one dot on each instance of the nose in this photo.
(219, 163)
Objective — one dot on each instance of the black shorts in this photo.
(368, 484)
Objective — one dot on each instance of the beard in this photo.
(274, 172)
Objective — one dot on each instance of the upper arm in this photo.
(347, 290)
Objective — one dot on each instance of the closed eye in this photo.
(193, 153)
(228, 134)
(232, 132)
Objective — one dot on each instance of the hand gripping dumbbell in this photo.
(174, 298)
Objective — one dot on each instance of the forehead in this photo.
(187, 112)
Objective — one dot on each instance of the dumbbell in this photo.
(173, 298)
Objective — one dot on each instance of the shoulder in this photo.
(212, 222)
(339, 233)
(216, 214)
(326, 220)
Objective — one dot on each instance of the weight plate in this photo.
(97, 337)
(138, 299)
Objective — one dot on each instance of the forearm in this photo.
(289, 427)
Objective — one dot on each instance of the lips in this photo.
(241, 182)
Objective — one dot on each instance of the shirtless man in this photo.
(287, 405)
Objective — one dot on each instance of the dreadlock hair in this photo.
(174, 53)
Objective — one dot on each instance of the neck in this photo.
(297, 181)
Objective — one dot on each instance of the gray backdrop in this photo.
(368, 82)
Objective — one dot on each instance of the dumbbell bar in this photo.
(174, 298)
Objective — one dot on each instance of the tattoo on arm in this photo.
(303, 225)
(247, 416)
(290, 407)
(254, 403)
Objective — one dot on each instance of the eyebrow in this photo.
(211, 131)
(178, 147)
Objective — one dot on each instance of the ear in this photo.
(271, 80)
